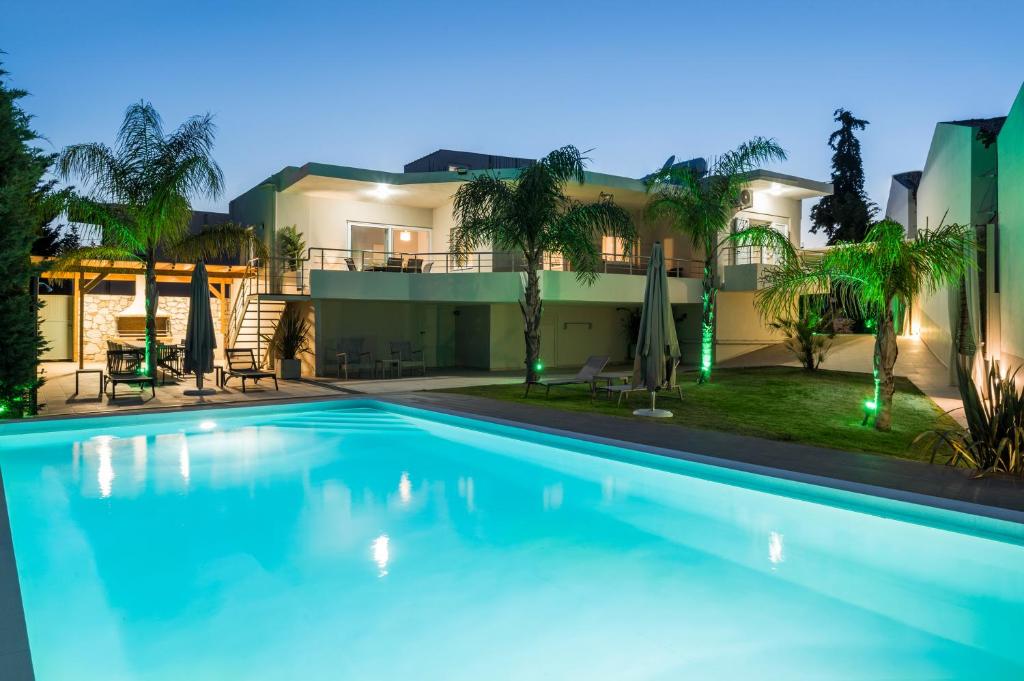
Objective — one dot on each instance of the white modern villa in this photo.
(376, 268)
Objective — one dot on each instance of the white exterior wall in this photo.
(1011, 235)
(324, 221)
(945, 190)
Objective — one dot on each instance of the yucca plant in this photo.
(808, 337)
(291, 335)
(993, 441)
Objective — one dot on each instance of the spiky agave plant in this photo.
(700, 203)
(874, 276)
(993, 441)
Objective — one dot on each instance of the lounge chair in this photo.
(627, 388)
(351, 355)
(241, 363)
(350, 263)
(406, 357)
(594, 365)
(125, 366)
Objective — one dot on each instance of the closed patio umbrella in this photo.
(199, 338)
(656, 343)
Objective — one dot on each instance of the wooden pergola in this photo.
(86, 275)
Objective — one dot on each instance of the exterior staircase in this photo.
(257, 317)
(255, 314)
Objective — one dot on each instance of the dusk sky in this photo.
(376, 85)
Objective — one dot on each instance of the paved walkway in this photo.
(854, 353)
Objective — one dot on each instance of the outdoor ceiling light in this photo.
(776, 189)
(382, 191)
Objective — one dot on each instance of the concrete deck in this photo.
(854, 353)
(58, 399)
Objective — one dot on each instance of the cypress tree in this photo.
(24, 199)
(847, 214)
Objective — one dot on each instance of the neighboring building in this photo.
(1008, 262)
(378, 267)
(973, 175)
(902, 204)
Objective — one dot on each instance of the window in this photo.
(754, 255)
(382, 239)
(613, 249)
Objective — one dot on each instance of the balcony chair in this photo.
(414, 265)
(351, 264)
(126, 366)
(594, 365)
(241, 363)
(403, 354)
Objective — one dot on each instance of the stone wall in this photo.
(100, 321)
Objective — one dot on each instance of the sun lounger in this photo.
(593, 366)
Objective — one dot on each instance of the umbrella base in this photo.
(653, 413)
(200, 392)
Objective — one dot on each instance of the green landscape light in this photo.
(539, 366)
(870, 405)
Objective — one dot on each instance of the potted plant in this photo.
(290, 339)
(290, 246)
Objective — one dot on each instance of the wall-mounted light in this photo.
(776, 189)
(382, 191)
(405, 235)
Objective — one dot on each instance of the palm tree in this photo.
(138, 199)
(532, 215)
(700, 202)
(877, 276)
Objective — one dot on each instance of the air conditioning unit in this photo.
(746, 199)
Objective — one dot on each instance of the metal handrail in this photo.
(342, 259)
(241, 300)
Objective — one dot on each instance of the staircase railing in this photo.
(238, 308)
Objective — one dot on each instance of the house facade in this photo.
(376, 267)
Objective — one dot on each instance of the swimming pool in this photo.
(360, 540)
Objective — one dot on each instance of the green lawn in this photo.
(781, 403)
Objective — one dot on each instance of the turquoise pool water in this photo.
(361, 542)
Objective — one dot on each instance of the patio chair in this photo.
(594, 365)
(241, 363)
(414, 265)
(350, 355)
(393, 265)
(350, 263)
(627, 388)
(403, 354)
(171, 359)
(126, 366)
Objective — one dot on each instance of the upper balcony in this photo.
(485, 277)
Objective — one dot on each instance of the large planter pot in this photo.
(290, 368)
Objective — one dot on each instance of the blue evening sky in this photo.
(378, 84)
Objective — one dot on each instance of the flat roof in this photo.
(432, 189)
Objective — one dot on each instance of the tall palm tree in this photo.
(877, 276)
(532, 215)
(700, 203)
(137, 199)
